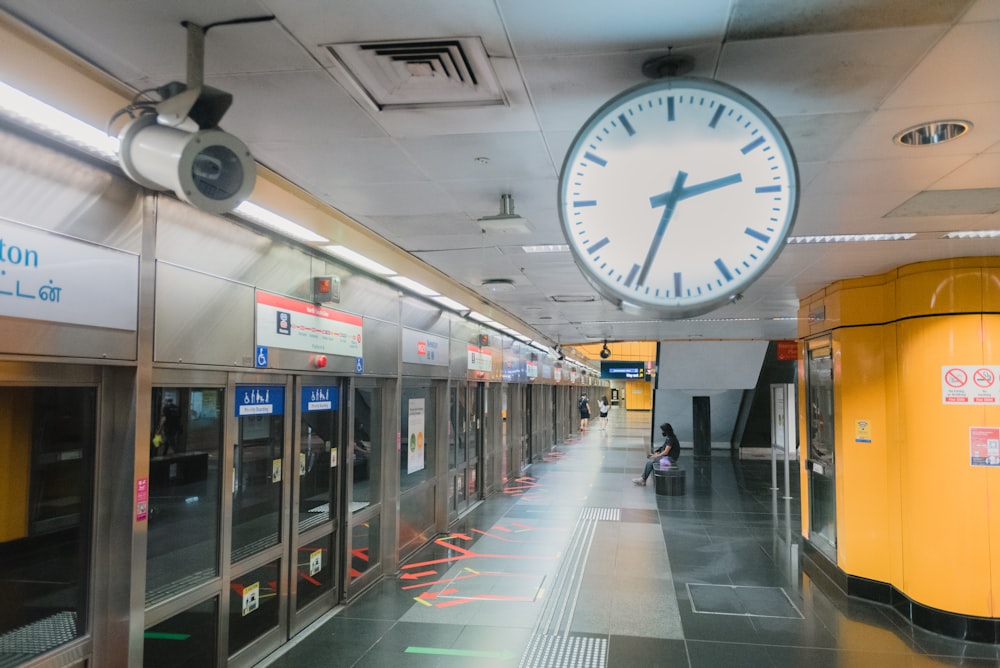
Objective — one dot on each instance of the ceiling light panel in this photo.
(358, 260)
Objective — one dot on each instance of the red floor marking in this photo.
(236, 587)
(414, 576)
(355, 573)
(462, 577)
(500, 528)
(483, 598)
(308, 578)
(506, 540)
(361, 553)
(468, 554)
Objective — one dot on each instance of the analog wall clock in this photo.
(676, 195)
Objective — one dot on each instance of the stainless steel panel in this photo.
(31, 337)
(52, 190)
(202, 319)
(381, 347)
(426, 317)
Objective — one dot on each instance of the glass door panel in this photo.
(48, 438)
(257, 469)
(822, 481)
(182, 548)
(318, 454)
(364, 549)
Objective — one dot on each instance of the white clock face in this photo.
(676, 195)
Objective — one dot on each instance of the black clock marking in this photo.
(757, 235)
(594, 158)
(670, 108)
(718, 114)
(752, 145)
(726, 274)
(767, 189)
(677, 283)
(631, 275)
(625, 124)
(597, 245)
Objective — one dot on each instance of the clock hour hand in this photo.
(708, 186)
(668, 201)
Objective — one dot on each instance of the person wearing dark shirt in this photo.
(671, 449)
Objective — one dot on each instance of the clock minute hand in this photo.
(668, 201)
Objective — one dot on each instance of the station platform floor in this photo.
(575, 566)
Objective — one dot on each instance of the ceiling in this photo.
(841, 76)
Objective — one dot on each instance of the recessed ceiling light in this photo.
(498, 284)
(934, 132)
(573, 299)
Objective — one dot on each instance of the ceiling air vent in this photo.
(417, 73)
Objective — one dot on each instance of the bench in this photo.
(669, 481)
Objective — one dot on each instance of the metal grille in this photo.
(40, 636)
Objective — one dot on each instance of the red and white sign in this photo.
(298, 325)
(970, 385)
(480, 360)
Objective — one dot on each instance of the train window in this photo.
(47, 445)
(184, 490)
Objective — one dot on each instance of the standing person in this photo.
(584, 406)
(170, 426)
(671, 449)
(602, 409)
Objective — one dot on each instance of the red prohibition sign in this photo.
(956, 378)
(983, 378)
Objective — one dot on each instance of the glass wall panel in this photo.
(416, 519)
(314, 571)
(366, 451)
(187, 639)
(364, 547)
(253, 605)
(182, 549)
(418, 432)
(257, 473)
(47, 447)
(318, 448)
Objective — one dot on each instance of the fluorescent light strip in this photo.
(33, 113)
(849, 238)
(269, 219)
(448, 302)
(973, 234)
(546, 248)
(358, 260)
(413, 286)
(479, 317)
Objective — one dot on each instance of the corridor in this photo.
(574, 566)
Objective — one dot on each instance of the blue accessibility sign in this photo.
(260, 359)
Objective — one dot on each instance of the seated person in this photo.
(671, 449)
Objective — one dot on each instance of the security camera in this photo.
(605, 351)
(209, 169)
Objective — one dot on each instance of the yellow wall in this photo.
(15, 464)
(638, 395)
(911, 509)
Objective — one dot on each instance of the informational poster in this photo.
(970, 385)
(480, 360)
(984, 446)
(862, 431)
(298, 325)
(531, 368)
(415, 436)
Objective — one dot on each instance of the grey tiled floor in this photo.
(703, 580)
